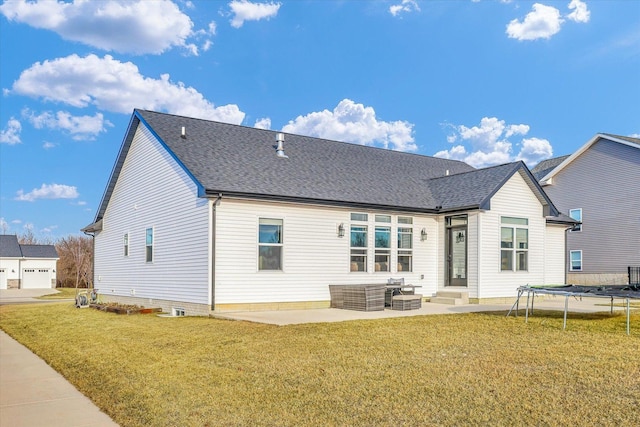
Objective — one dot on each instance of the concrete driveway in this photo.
(27, 296)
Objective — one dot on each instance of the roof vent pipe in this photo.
(446, 173)
(280, 148)
(183, 134)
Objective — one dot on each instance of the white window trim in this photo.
(514, 250)
(153, 244)
(579, 230)
(281, 245)
(366, 248)
(371, 250)
(571, 261)
(126, 249)
(408, 252)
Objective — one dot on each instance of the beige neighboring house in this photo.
(26, 266)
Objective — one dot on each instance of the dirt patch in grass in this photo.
(469, 369)
(118, 308)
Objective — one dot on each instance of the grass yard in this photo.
(449, 370)
(62, 293)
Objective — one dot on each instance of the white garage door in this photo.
(3, 278)
(36, 278)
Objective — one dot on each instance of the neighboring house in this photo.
(200, 216)
(26, 266)
(598, 185)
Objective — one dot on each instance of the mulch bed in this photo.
(125, 309)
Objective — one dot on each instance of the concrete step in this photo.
(447, 300)
(454, 294)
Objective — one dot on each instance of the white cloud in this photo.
(244, 10)
(116, 86)
(137, 27)
(47, 145)
(213, 28)
(580, 12)
(406, 6)
(11, 133)
(207, 45)
(534, 150)
(48, 191)
(80, 127)
(542, 22)
(351, 122)
(264, 123)
(490, 145)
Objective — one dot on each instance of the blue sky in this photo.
(486, 82)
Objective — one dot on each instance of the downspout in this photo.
(213, 251)
(93, 258)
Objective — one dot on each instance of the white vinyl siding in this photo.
(514, 199)
(314, 256)
(154, 191)
(554, 267)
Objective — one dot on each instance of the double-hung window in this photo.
(125, 244)
(576, 260)
(577, 215)
(359, 242)
(514, 244)
(270, 244)
(383, 243)
(149, 245)
(405, 243)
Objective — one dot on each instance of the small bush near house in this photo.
(468, 369)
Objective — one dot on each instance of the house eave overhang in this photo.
(559, 221)
(548, 178)
(214, 194)
(92, 228)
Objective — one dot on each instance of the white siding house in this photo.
(202, 216)
(26, 266)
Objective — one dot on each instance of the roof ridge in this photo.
(517, 162)
(298, 135)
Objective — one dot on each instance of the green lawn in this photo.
(469, 369)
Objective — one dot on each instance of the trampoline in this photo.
(623, 292)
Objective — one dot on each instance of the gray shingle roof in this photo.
(241, 161)
(10, 248)
(546, 166)
(232, 159)
(39, 251)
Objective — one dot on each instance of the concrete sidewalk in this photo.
(34, 394)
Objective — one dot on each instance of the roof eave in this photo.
(324, 202)
(547, 179)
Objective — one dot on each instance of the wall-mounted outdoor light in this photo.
(341, 230)
(460, 237)
(423, 234)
